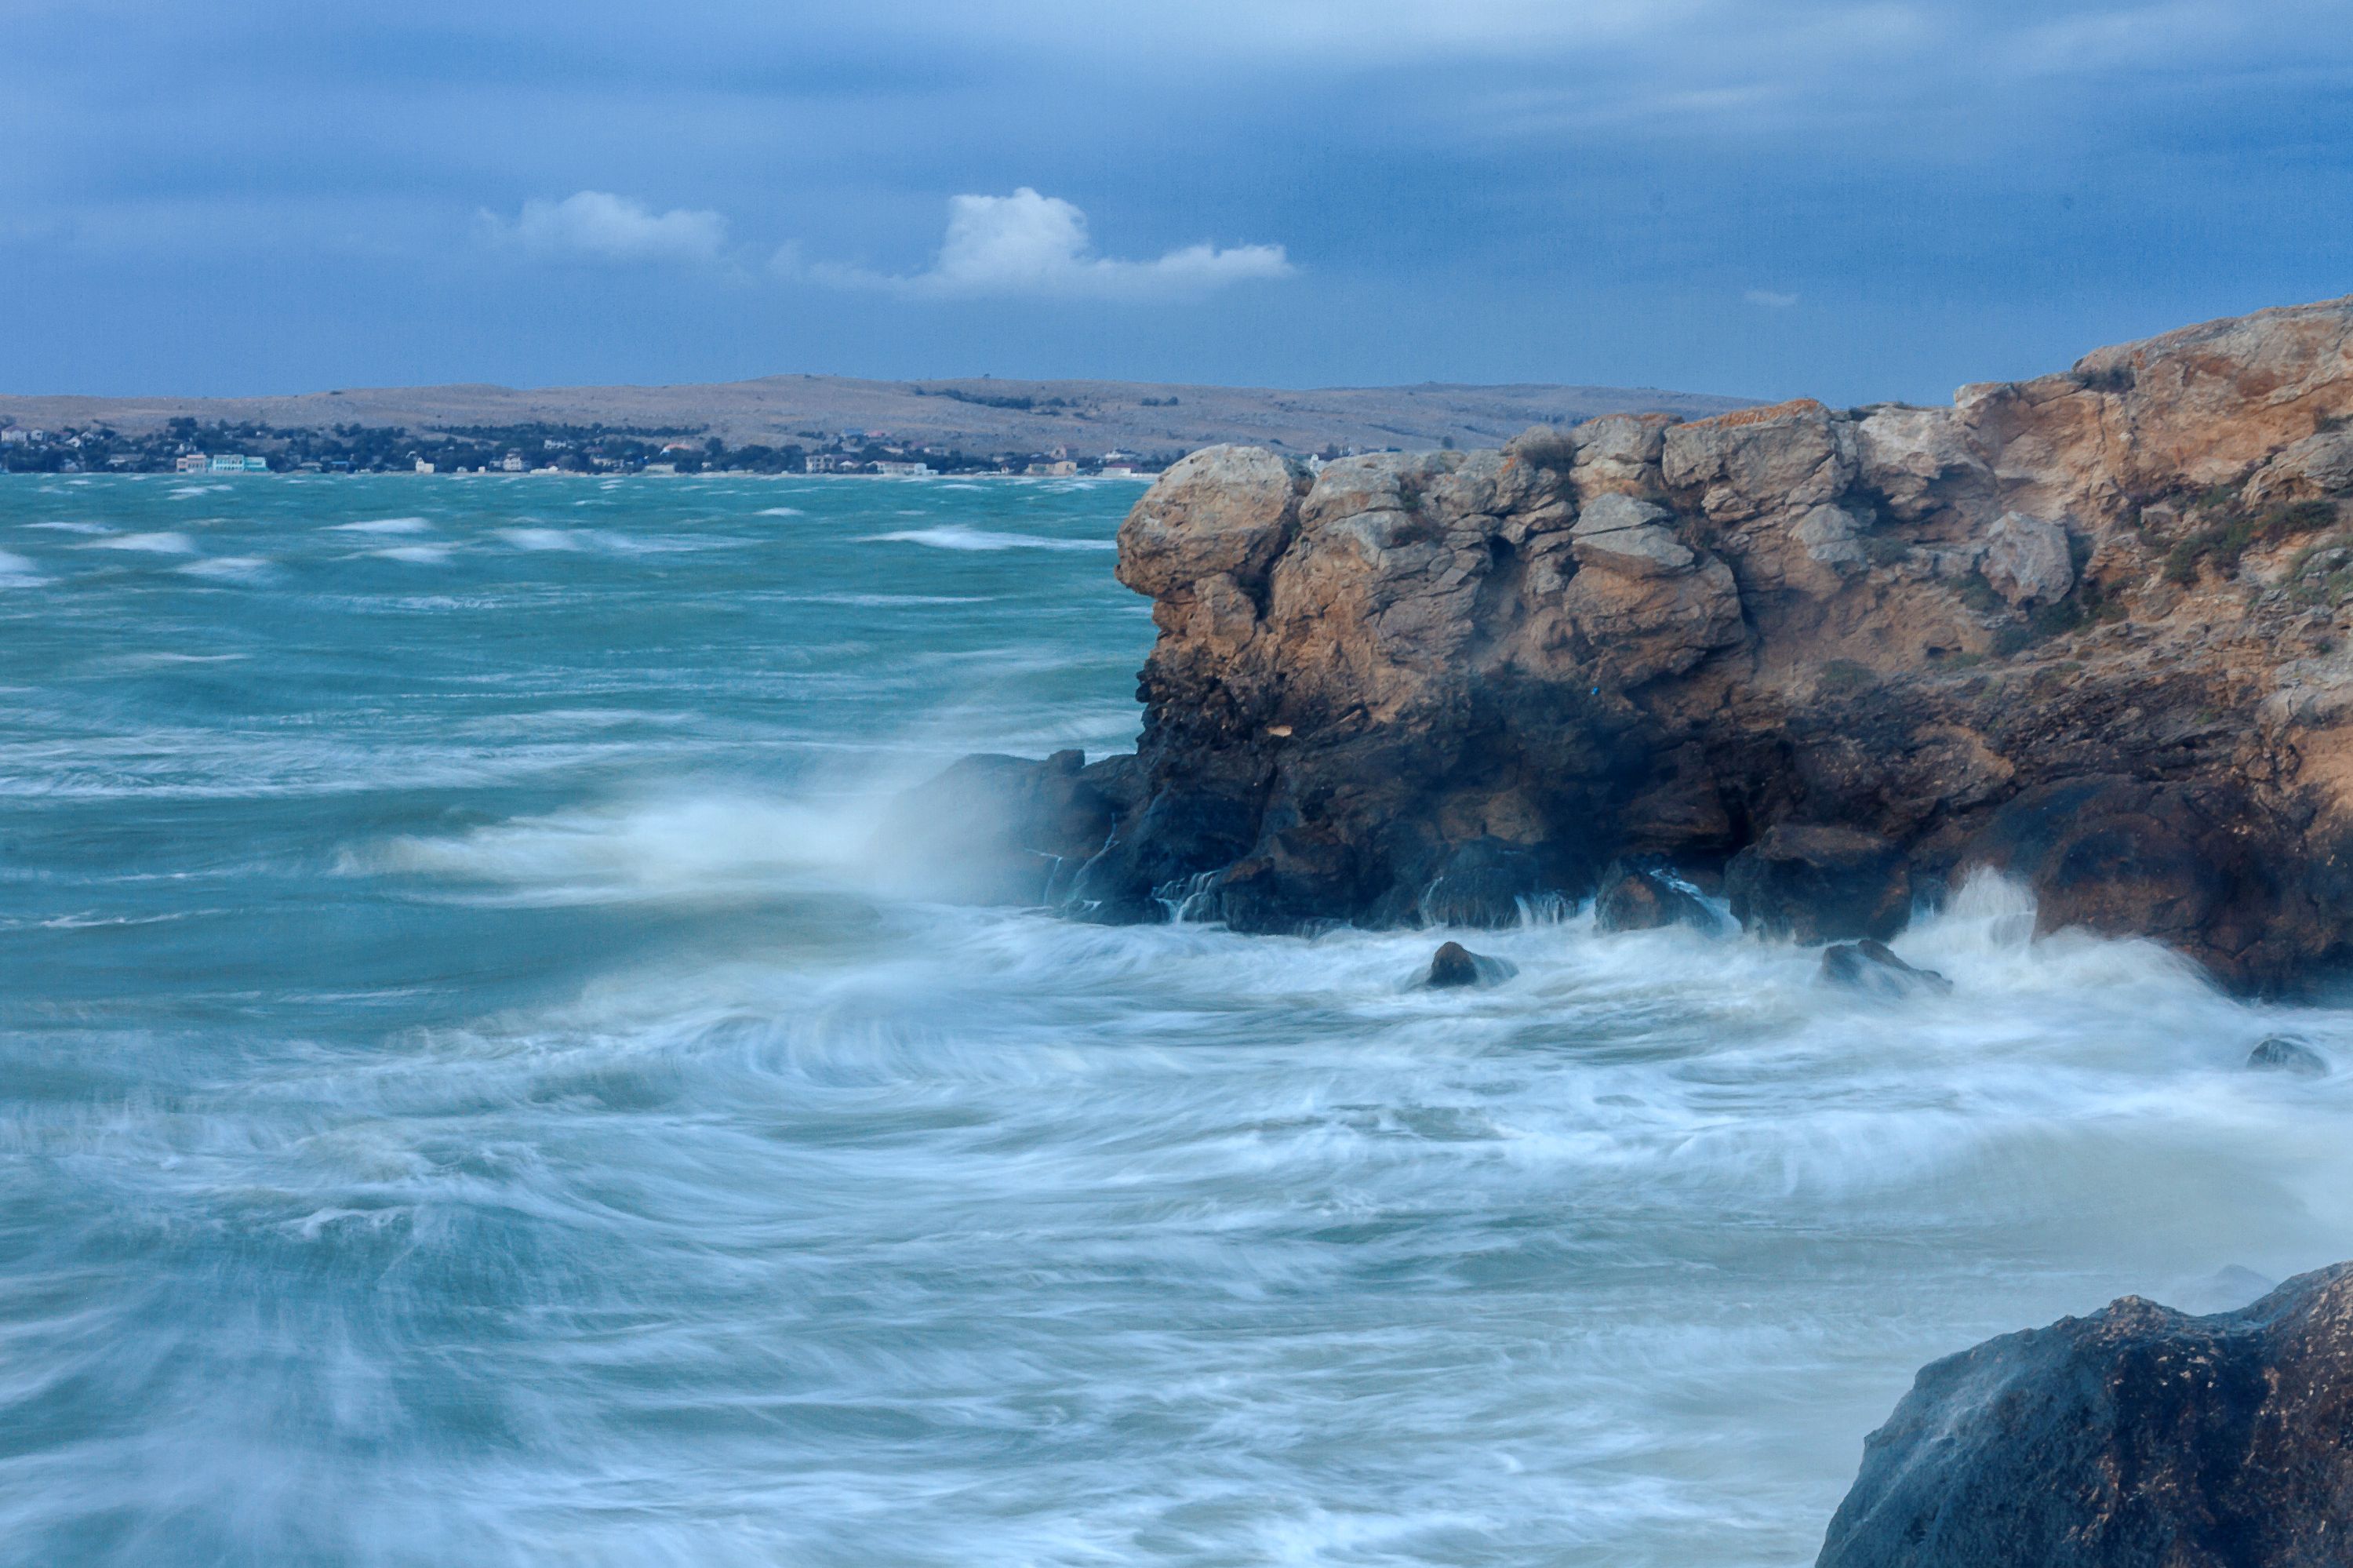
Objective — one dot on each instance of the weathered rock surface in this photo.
(2095, 629)
(2138, 1438)
(1873, 968)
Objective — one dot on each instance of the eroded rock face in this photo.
(2096, 628)
(2138, 1438)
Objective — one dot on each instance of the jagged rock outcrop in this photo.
(2094, 629)
(2138, 1438)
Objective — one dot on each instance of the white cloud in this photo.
(1769, 300)
(612, 228)
(1029, 244)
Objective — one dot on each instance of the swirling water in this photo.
(465, 1098)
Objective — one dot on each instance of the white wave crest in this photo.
(157, 543)
(957, 537)
(384, 525)
(231, 568)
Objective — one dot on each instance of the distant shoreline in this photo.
(969, 426)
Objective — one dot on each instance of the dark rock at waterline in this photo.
(1006, 830)
(1484, 883)
(2286, 1053)
(2138, 1438)
(1456, 965)
(2187, 863)
(1635, 899)
(1869, 967)
(1819, 882)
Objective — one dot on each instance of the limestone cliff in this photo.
(2092, 628)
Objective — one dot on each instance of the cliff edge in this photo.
(2093, 629)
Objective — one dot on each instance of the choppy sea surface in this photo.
(465, 1096)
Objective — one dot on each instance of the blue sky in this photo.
(1853, 200)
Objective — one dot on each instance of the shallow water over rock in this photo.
(470, 1095)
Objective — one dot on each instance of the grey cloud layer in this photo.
(1606, 190)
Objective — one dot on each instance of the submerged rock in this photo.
(1869, 967)
(2286, 1054)
(1456, 965)
(2138, 1438)
(1634, 899)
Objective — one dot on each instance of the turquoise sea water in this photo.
(468, 1095)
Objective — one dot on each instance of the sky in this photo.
(1755, 197)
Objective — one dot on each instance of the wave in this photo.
(545, 538)
(155, 544)
(708, 849)
(384, 525)
(18, 571)
(231, 568)
(958, 537)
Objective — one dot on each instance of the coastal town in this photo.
(185, 446)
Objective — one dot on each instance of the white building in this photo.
(191, 462)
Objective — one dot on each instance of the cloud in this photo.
(1037, 246)
(1769, 300)
(612, 228)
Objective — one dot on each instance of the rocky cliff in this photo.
(2092, 629)
(2138, 1438)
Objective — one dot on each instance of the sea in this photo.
(472, 1094)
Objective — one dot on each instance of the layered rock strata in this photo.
(2094, 629)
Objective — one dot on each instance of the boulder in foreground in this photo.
(2136, 1437)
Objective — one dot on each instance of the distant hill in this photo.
(1089, 418)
